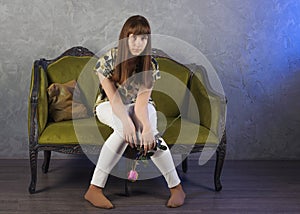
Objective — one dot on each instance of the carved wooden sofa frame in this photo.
(34, 132)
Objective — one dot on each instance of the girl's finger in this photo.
(152, 145)
(145, 149)
(128, 140)
(134, 140)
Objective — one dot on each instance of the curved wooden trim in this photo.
(74, 51)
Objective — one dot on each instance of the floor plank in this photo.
(248, 187)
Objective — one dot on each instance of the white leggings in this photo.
(115, 146)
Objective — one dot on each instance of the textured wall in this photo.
(254, 46)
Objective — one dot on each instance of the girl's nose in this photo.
(138, 42)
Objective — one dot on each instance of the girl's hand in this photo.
(148, 140)
(129, 133)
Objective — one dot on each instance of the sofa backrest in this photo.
(79, 68)
(168, 94)
(169, 91)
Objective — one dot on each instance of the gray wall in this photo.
(254, 46)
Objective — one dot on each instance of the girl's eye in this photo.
(132, 37)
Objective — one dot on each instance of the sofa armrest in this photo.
(38, 101)
(211, 105)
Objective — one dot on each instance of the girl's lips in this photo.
(136, 51)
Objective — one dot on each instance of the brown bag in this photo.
(61, 103)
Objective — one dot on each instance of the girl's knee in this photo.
(152, 116)
(104, 112)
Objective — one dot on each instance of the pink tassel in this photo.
(133, 175)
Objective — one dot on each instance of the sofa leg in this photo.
(33, 154)
(45, 166)
(220, 157)
(184, 163)
(126, 188)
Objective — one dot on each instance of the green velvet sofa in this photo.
(190, 117)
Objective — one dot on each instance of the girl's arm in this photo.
(142, 115)
(119, 109)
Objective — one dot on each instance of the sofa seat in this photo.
(64, 133)
(187, 132)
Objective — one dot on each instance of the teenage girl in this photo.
(127, 74)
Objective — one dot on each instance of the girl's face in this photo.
(137, 44)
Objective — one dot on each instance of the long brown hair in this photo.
(126, 64)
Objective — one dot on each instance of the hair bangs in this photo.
(139, 28)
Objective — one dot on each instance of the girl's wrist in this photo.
(146, 129)
(126, 120)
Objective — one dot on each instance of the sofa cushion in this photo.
(185, 132)
(175, 131)
(64, 132)
(63, 103)
(84, 130)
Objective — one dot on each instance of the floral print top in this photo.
(128, 90)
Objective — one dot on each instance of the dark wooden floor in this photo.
(248, 187)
